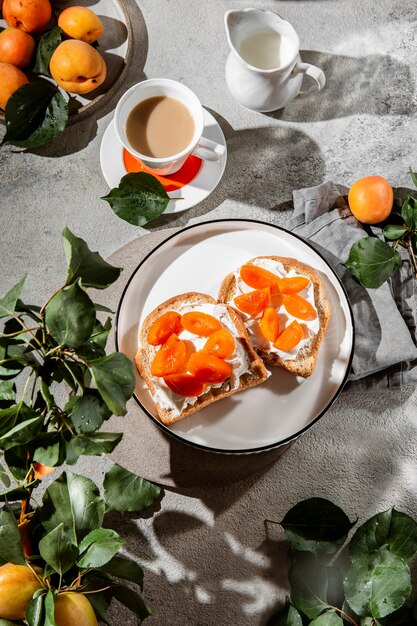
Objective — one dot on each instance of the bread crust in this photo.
(145, 353)
(303, 365)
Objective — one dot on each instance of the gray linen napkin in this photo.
(385, 354)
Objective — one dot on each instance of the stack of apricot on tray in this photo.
(74, 64)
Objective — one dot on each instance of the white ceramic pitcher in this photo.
(266, 90)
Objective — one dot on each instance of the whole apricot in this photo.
(73, 608)
(77, 67)
(16, 47)
(28, 15)
(11, 78)
(80, 23)
(371, 199)
(17, 585)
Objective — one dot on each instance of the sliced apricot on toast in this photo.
(220, 343)
(170, 358)
(294, 284)
(269, 324)
(201, 324)
(257, 277)
(299, 307)
(209, 368)
(163, 327)
(185, 385)
(290, 337)
(253, 302)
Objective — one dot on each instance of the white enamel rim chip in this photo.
(207, 179)
(196, 259)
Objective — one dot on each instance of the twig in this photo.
(413, 259)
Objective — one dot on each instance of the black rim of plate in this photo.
(316, 419)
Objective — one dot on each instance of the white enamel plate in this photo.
(197, 259)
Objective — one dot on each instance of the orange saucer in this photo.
(171, 182)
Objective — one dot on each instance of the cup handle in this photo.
(315, 73)
(209, 150)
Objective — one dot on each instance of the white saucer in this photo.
(206, 180)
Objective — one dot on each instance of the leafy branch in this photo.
(372, 261)
(69, 387)
(363, 582)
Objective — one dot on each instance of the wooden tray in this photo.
(116, 46)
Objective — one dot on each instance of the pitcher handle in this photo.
(315, 73)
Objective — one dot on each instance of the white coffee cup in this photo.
(199, 145)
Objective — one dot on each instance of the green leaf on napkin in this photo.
(46, 47)
(372, 261)
(139, 198)
(35, 114)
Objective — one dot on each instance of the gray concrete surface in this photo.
(206, 556)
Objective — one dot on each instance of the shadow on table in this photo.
(263, 167)
(371, 85)
(82, 126)
(202, 564)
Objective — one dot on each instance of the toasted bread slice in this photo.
(303, 363)
(255, 375)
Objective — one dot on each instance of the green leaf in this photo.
(47, 395)
(115, 380)
(50, 450)
(372, 261)
(131, 600)
(289, 616)
(329, 618)
(22, 433)
(74, 501)
(88, 266)
(11, 550)
(47, 45)
(17, 461)
(57, 550)
(35, 612)
(50, 609)
(4, 477)
(94, 444)
(7, 391)
(392, 528)
(316, 525)
(139, 198)
(9, 300)
(308, 583)
(35, 114)
(15, 413)
(409, 212)
(88, 412)
(125, 491)
(70, 316)
(94, 348)
(6, 622)
(393, 231)
(125, 569)
(100, 604)
(377, 584)
(413, 176)
(99, 547)
(14, 494)
(76, 372)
